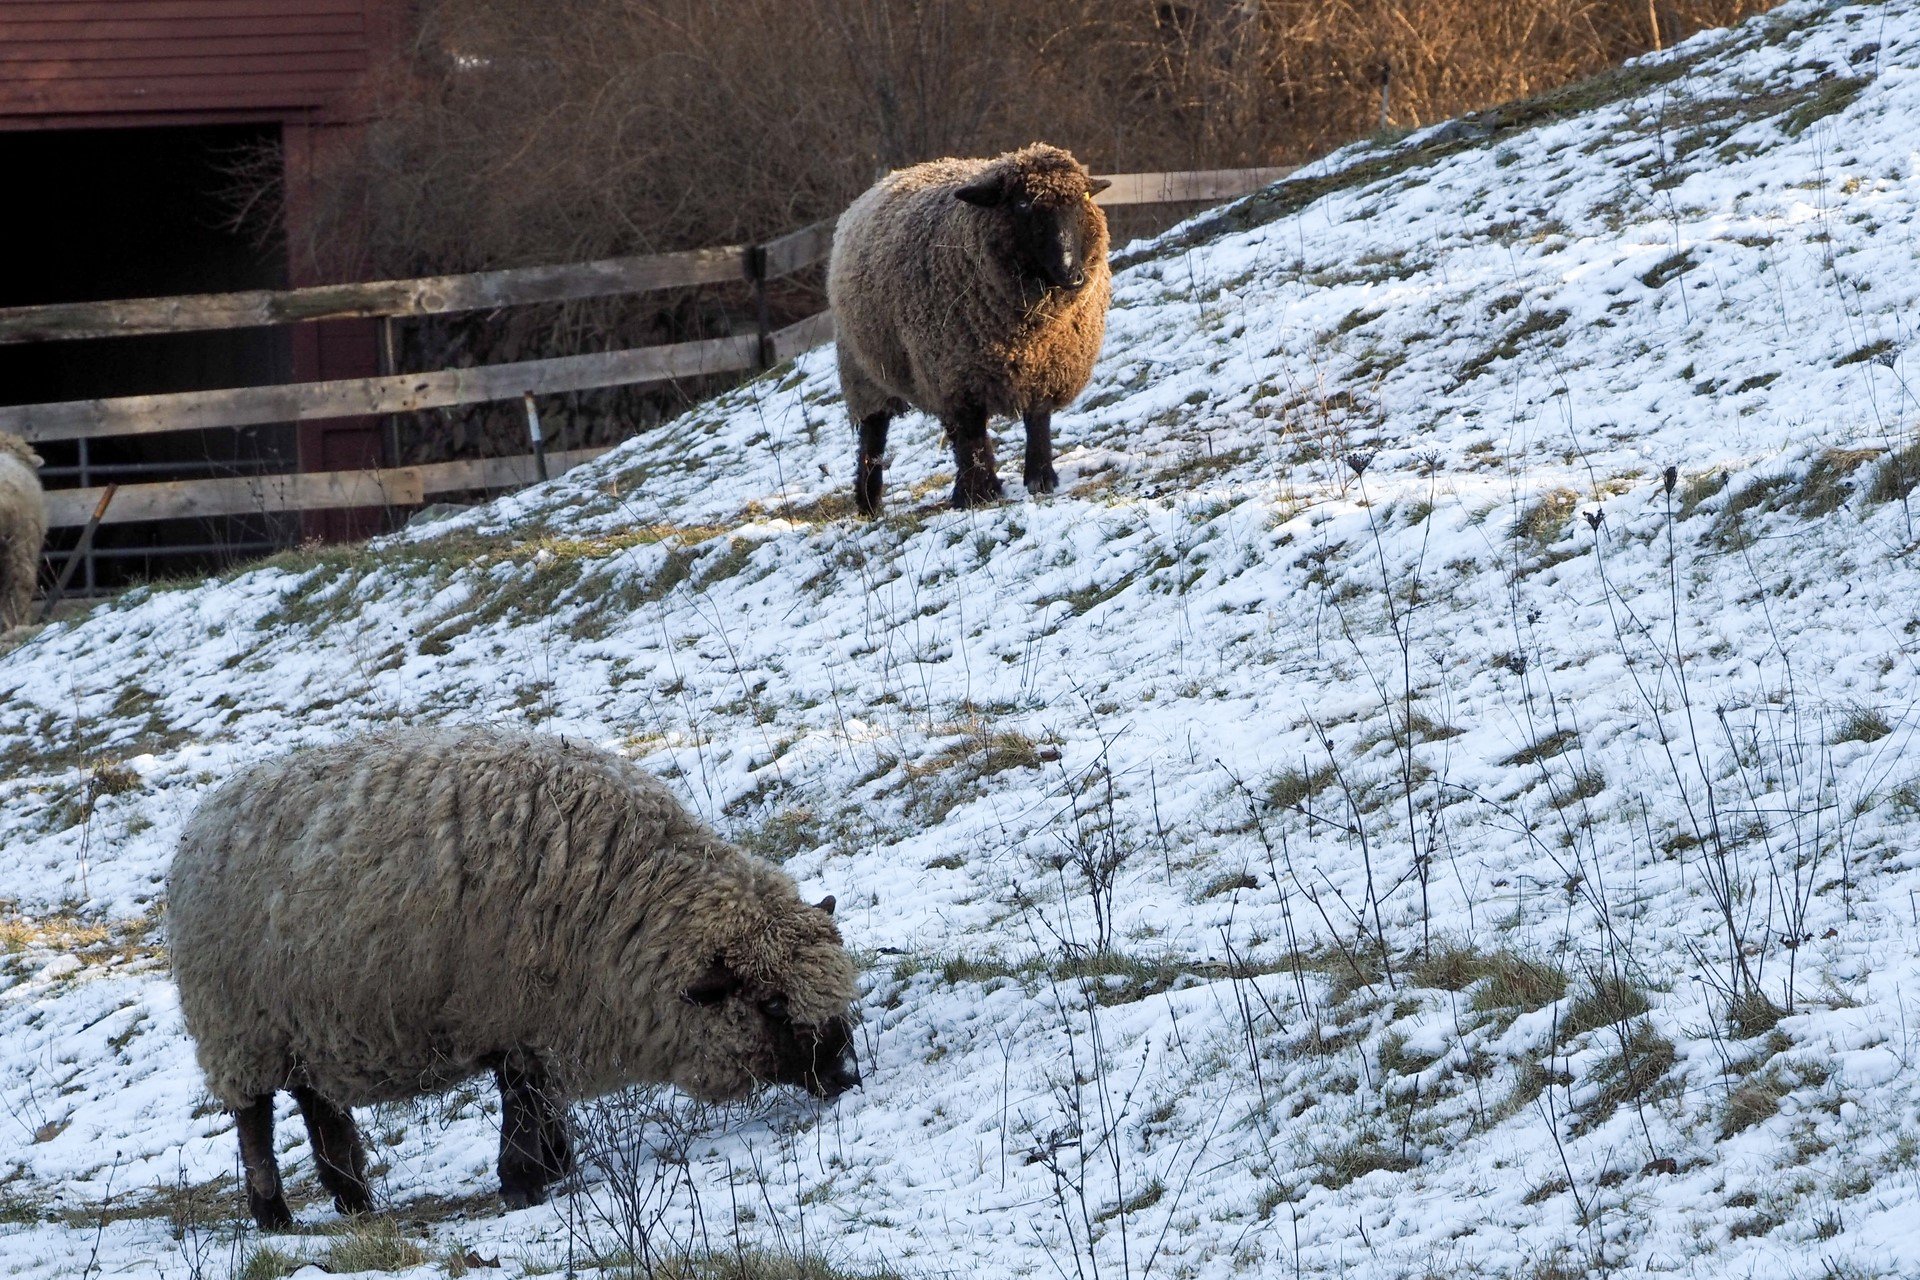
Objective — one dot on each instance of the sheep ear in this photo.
(827, 904)
(713, 986)
(985, 192)
(1096, 185)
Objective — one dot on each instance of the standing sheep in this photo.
(969, 289)
(391, 915)
(23, 528)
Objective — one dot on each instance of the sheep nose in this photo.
(840, 1077)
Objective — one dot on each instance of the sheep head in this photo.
(773, 1004)
(1044, 198)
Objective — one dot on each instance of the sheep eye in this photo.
(1023, 204)
(774, 1006)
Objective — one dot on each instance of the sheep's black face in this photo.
(1051, 231)
(818, 1059)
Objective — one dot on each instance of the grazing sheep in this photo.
(23, 528)
(391, 915)
(969, 289)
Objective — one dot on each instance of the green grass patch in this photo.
(1543, 748)
(1635, 1071)
(1542, 523)
(1860, 355)
(1828, 482)
(1603, 1002)
(1896, 475)
(1347, 1162)
(1293, 788)
(1862, 724)
(1732, 528)
(1752, 1102)
(1514, 341)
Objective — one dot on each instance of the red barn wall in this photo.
(301, 64)
(65, 63)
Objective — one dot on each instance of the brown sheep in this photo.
(969, 289)
(23, 528)
(388, 916)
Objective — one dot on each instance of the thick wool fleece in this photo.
(387, 916)
(23, 528)
(929, 310)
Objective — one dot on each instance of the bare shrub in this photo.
(508, 134)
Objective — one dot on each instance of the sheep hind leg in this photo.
(338, 1156)
(534, 1149)
(974, 481)
(265, 1199)
(1038, 469)
(870, 467)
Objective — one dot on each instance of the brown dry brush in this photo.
(511, 134)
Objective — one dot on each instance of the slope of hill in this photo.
(1434, 794)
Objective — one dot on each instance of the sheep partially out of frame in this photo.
(386, 917)
(970, 289)
(23, 528)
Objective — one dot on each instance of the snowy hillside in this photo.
(1436, 792)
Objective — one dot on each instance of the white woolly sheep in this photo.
(391, 915)
(970, 289)
(23, 528)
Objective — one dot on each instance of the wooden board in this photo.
(815, 331)
(801, 248)
(351, 397)
(431, 295)
(499, 473)
(1183, 186)
(306, 491)
(238, 496)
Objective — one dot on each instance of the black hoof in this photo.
(269, 1212)
(522, 1197)
(353, 1204)
(976, 489)
(1043, 482)
(867, 481)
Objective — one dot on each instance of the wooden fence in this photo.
(408, 392)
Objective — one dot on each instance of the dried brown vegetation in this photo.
(509, 133)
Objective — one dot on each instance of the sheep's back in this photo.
(905, 280)
(382, 915)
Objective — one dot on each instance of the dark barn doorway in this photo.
(144, 212)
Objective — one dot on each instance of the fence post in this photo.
(757, 273)
(533, 434)
(82, 550)
(1386, 86)
(390, 364)
(86, 482)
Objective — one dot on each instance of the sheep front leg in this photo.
(870, 467)
(1038, 470)
(974, 481)
(254, 1125)
(534, 1150)
(338, 1156)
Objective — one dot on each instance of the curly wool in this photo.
(23, 528)
(385, 917)
(929, 310)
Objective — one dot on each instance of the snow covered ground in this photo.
(1436, 793)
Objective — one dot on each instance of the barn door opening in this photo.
(143, 212)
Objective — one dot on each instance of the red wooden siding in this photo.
(66, 63)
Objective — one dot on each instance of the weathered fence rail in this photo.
(430, 296)
(303, 491)
(409, 392)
